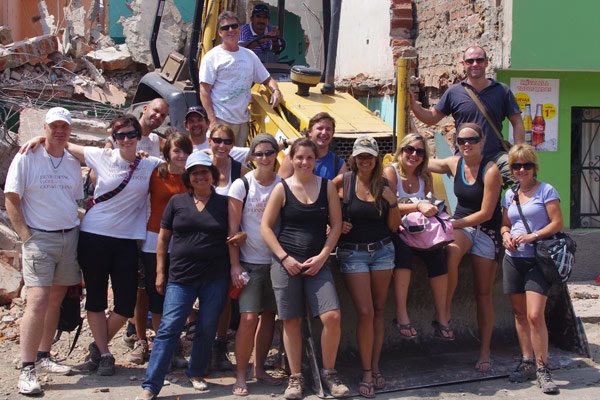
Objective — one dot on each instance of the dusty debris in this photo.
(27, 51)
(5, 36)
(108, 94)
(46, 19)
(111, 58)
(11, 281)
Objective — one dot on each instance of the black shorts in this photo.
(520, 275)
(101, 257)
(155, 300)
(435, 260)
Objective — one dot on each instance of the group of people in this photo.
(212, 224)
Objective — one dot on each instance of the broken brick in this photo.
(27, 51)
(5, 36)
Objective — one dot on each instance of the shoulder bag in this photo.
(505, 143)
(426, 233)
(118, 189)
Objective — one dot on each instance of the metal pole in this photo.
(280, 15)
(193, 56)
(402, 105)
(157, 18)
(329, 86)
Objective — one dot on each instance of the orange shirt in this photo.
(161, 191)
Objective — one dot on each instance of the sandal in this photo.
(483, 366)
(190, 331)
(239, 390)
(378, 380)
(405, 327)
(369, 393)
(441, 329)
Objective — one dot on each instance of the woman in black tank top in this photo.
(305, 205)
(477, 185)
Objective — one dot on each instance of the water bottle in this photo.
(234, 292)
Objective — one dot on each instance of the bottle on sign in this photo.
(234, 292)
(538, 127)
(528, 123)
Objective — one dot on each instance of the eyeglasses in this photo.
(228, 27)
(217, 140)
(517, 166)
(471, 140)
(129, 134)
(470, 61)
(412, 150)
(260, 154)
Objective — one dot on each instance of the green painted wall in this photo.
(576, 89)
(555, 34)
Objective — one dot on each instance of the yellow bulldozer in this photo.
(306, 91)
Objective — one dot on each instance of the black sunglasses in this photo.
(471, 139)
(517, 166)
(228, 27)
(259, 154)
(224, 141)
(470, 61)
(129, 134)
(411, 150)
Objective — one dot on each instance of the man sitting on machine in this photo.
(261, 37)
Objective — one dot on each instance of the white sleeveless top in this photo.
(400, 191)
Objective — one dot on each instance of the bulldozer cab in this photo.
(306, 91)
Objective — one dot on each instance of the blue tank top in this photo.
(328, 167)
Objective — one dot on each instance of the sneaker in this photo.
(544, 380)
(221, 361)
(294, 389)
(48, 365)
(106, 366)
(139, 353)
(92, 360)
(525, 371)
(28, 382)
(332, 382)
(199, 383)
(129, 338)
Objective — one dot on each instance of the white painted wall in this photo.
(364, 41)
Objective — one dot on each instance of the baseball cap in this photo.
(198, 158)
(58, 114)
(260, 9)
(365, 144)
(196, 110)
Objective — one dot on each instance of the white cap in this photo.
(58, 114)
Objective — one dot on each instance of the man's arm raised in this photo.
(428, 116)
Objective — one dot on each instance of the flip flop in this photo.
(370, 389)
(378, 377)
(405, 327)
(483, 366)
(239, 390)
(441, 329)
(270, 380)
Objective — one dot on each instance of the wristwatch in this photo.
(537, 237)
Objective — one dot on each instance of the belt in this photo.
(56, 231)
(366, 246)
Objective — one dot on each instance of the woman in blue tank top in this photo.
(477, 219)
(305, 205)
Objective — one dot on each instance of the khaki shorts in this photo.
(258, 294)
(51, 258)
(241, 132)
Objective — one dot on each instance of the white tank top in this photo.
(400, 190)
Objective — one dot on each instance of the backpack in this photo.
(426, 233)
(70, 315)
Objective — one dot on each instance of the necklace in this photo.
(203, 198)
(529, 189)
(55, 167)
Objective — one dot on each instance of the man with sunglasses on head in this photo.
(227, 73)
(497, 99)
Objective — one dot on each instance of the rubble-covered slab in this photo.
(108, 94)
(111, 58)
(26, 51)
(11, 280)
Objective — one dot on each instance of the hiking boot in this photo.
(199, 383)
(544, 380)
(331, 381)
(48, 365)
(129, 336)
(92, 360)
(221, 362)
(294, 389)
(139, 353)
(28, 382)
(106, 366)
(525, 371)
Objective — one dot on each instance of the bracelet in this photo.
(537, 237)
(394, 205)
(284, 257)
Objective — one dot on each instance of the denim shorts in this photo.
(355, 261)
(482, 244)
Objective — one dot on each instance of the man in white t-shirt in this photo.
(227, 73)
(41, 191)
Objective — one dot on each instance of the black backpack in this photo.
(70, 315)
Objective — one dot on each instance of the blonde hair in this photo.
(525, 152)
(421, 171)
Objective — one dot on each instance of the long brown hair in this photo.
(178, 140)
(376, 183)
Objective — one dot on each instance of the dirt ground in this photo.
(578, 380)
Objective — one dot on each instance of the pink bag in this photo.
(423, 233)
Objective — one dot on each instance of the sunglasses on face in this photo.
(471, 140)
(410, 150)
(228, 27)
(470, 61)
(517, 166)
(129, 134)
(217, 140)
(259, 154)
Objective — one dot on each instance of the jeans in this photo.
(179, 300)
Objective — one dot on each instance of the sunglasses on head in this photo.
(259, 154)
(527, 165)
(411, 150)
(122, 135)
(470, 61)
(228, 27)
(471, 140)
(224, 141)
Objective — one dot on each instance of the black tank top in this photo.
(367, 225)
(470, 197)
(302, 232)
